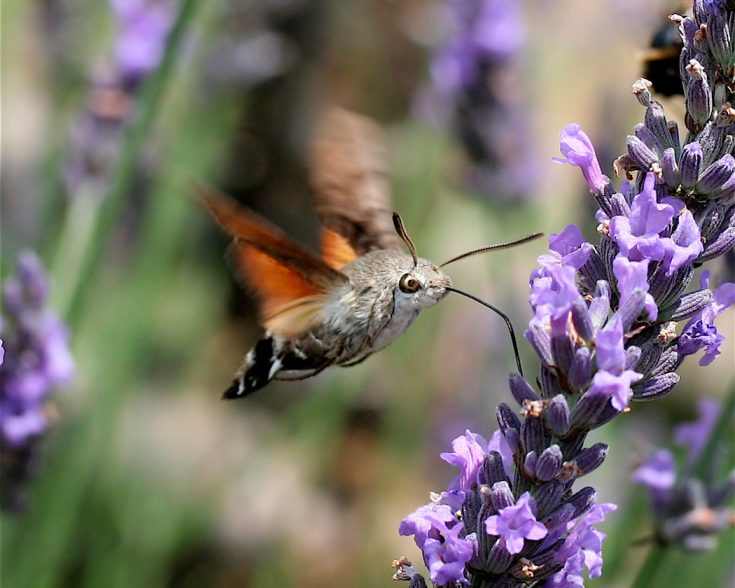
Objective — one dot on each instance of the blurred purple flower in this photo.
(694, 436)
(38, 358)
(144, 27)
(689, 511)
(474, 91)
(658, 474)
(36, 361)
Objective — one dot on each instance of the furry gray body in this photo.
(361, 317)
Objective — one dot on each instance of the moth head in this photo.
(423, 284)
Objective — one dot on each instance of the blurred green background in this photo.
(149, 479)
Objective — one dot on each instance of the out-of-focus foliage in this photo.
(148, 479)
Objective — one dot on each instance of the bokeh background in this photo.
(147, 478)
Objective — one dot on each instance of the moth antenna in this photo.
(507, 245)
(504, 317)
(403, 234)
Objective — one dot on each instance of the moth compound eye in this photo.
(409, 284)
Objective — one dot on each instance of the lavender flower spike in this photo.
(36, 361)
(604, 328)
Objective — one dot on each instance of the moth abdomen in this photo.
(260, 365)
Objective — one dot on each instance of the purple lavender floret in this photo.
(36, 361)
(688, 510)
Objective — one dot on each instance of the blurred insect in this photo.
(362, 293)
(661, 60)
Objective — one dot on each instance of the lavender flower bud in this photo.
(585, 412)
(674, 133)
(498, 560)
(723, 243)
(711, 219)
(521, 390)
(550, 386)
(632, 307)
(632, 356)
(644, 134)
(716, 175)
(619, 205)
(591, 458)
(718, 40)
(593, 270)
(557, 415)
(582, 500)
(541, 342)
(608, 413)
(691, 162)
(510, 426)
(507, 419)
(549, 463)
(492, 470)
(501, 495)
(562, 350)
(600, 304)
(655, 387)
(640, 153)
(641, 91)
(582, 321)
(529, 464)
(608, 252)
(669, 168)
(471, 510)
(548, 496)
(650, 355)
(698, 96)
(676, 287)
(561, 515)
(659, 283)
(533, 435)
(669, 361)
(655, 120)
(690, 304)
(712, 140)
(580, 371)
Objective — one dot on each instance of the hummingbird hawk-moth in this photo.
(361, 293)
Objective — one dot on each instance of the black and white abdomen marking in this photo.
(270, 358)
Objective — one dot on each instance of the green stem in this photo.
(651, 568)
(108, 211)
